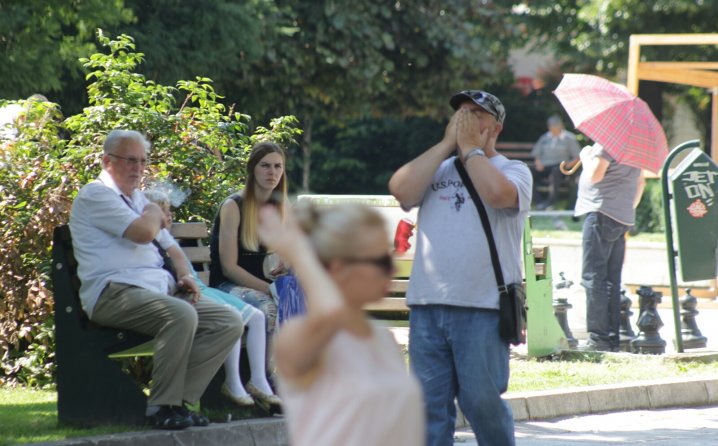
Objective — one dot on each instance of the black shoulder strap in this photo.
(484, 222)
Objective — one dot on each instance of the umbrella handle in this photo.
(572, 170)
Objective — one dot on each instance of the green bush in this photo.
(200, 145)
(649, 213)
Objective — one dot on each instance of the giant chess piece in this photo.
(560, 308)
(649, 322)
(625, 332)
(692, 337)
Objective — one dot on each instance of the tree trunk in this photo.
(306, 153)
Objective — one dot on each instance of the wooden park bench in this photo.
(522, 151)
(517, 151)
(91, 386)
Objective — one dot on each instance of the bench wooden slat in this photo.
(539, 252)
(540, 269)
(388, 304)
(515, 154)
(398, 286)
(510, 145)
(146, 349)
(197, 254)
(516, 150)
(189, 230)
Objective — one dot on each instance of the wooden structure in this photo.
(696, 74)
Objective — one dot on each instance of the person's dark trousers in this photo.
(604, 248)
(554, 176)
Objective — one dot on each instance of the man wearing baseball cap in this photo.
(454, 342)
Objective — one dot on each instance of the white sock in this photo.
(231, 370)
(256, 345)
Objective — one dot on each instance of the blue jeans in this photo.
(604, 247)
(456, 352)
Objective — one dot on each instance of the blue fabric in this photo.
(220, 297)
(290, 297)
(456, 352)
(604, 247)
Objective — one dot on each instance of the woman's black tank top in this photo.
(252, 261)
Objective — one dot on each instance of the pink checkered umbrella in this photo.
(609, 114)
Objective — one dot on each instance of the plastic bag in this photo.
(289, 297)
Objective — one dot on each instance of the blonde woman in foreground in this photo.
(343, 379)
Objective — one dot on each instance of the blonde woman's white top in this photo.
(363, 396)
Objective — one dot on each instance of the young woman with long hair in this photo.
(237, 256)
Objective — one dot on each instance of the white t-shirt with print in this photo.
(452, 264)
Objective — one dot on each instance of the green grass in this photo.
(580, 370)
(30, 416)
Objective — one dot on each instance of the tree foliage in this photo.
(180, 36)
(198, 144)
(41, 40)
(593, 36)
(329, 60)
(335, 60)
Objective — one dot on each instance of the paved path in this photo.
(679, 427)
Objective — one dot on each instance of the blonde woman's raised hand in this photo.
(281, 236)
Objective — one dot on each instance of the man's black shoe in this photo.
(169, 418)
(197, 418)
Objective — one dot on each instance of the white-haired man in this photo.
(121, 246)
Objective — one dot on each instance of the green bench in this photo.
(92, 389)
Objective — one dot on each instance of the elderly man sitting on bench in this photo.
(122, 250)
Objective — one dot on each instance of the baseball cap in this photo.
(485, 100)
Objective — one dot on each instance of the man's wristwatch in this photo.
(477, 151)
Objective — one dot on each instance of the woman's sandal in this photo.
(268, 402)
(242, 401)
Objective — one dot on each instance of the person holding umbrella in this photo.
(608, 193)
(628, 139)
